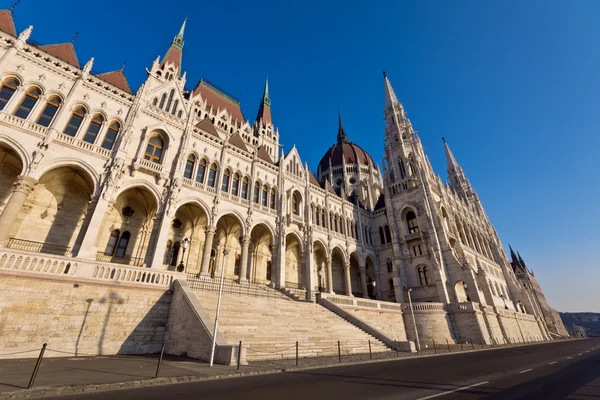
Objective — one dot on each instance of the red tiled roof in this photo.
(173, 56)
(207, 126)
(62, 51)
(263, 154)
(237, 141)
(329, 188)
(116, 78)
(349, 152)
(264, 114)
(7, 24)
(313, 180)
(219, 100)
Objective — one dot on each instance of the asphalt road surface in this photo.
(564, 370)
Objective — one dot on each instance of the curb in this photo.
(47, 391)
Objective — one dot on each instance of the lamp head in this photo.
(185, 243)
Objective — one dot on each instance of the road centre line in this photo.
(568, 358)
(553, 362)
(453, 391)
(526, 370)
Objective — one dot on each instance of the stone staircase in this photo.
(269, 327)
(390, 324)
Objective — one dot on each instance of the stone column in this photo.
(208, 243)
(348, 281)
(99, 207)
(280, 263)
(23, 187)
(330, 275)
(244, 259)
(309, 270)
(363, 282)
(160, 246)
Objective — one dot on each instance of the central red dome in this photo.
(345, 152)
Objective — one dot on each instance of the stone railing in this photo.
(128, 260)
(149, 165)
(193, 184)
(404, 185)
(38, 247)
(344, 301)
(56, 266)
(23, 124)
(462, 307)
(89, 147)
(424, 307)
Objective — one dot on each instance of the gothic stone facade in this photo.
(168, 176)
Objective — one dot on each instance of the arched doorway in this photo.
(294, 272)
(11, 167)
(337, 271)
(228, 235)
(52, 214)
(125, 233)
(371, 278)
(261, 255)
(320, 265)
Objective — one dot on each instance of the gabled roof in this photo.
(116, 78)
(173, 56)
(7, 24)
(62, 51)
(312, 179)
(207, 126)
(237, 141)
(219, 100)
(264, 155)
(329, 188)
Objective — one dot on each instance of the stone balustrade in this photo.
(25, 125)
(150, 165)
(77, 143)
(57, 266)
(344, 301)
(424, 307)
(462, 307)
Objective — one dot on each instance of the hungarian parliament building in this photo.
(165, 179)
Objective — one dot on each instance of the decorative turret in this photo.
(171, 62)
(341, 136)
(264, 110)
(458, 181)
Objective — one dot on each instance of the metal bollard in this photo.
(37, 366)
(239, 355)
(434, 349)
(370, 353)
(339, 352)
(448, 344)
(472, 344)
(461, 346)
(162, 349)
(296, 353)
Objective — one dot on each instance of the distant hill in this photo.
(590, 321)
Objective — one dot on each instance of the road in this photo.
(564, 370)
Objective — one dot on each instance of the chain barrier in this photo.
(18, 352)
(124, 357)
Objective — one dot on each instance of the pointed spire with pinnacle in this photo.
(174, 53)
(390, 95)
(450, 160)
(341, 136)
(513, 256)
(458, 180)
(264, 110)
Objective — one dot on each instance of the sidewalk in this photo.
(78, 374)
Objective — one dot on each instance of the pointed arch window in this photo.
(75, 121)
(174, 254)
(189, 166)
(390, 266)
(296, 203)
(411, 221)
(29, 101)
(201, 171)
(381, 235)
(93, 129)
(245, 184)
(388, 234)
(112, 242)
(174, 109)
(323, 219)
(256, 195)
(154, 150)
(423, 275)
(123, 242)
(226, 179)
(111, 135)
(47, 115)
(212, 175)
(167, 252)
(155, 101)
(170, 100)
(318, 216)
(9, 87)
(265, 195)
(163, 98)
(235, 187)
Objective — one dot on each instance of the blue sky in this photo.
(512, 85)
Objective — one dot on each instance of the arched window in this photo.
(411, 221)
(93, 128)
(226, 178)
(75, 121)
(381, 235)
(201, 171)
(163, 98)
(423, 275)
(235, 188)
(388, 234)
(492, 288)
(111, 135)
(174, 254)
(9, 87)
(245, 184)
(174, 109)
(296, 203)
(189, 166)
(274, 199)
(49, 111)
(212, 175)
(154, 149)
(323, 220)
(265, 195)
(317, 215)
(154, 101)
(390, 266)
(167, 250)
(112, 242)
(256, 194)
(123, 242)
(29, 100)
(170, 100)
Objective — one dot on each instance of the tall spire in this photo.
(341, 136)
(458, 180)
(174, 53)
(178, 40)
(264, 110)
(450, 160)
(513, 256)
(390, 95)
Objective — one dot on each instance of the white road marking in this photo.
(553, 362)
(526, 370)
(579, 354)
(453, 391)
(568, 358)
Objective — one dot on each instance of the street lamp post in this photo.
(414, 321)
(214, 338)
(320, 273)
(504, 300)
(184, 245)
(374, 286)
